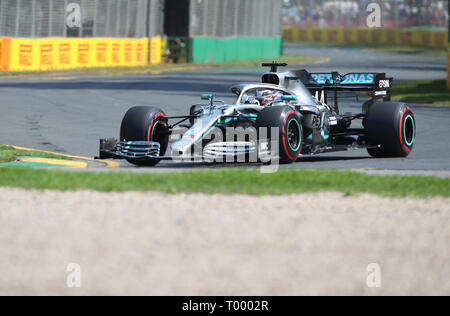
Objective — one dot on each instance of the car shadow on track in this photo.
(330, 158)
(221, 165)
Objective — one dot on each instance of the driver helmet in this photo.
(266, 96)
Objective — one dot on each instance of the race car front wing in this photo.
(144, 150)
(138, 150)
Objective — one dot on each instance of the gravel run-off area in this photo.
(149, 243)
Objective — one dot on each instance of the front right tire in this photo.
(145, 123)
(290, 131)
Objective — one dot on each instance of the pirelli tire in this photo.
(289, 127)
(145, 123)
(392, 127)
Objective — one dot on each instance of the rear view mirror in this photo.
(207, 97)
(289, 98)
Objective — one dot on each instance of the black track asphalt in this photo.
(68, 114)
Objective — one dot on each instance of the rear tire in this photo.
(145, 123)
(393, 126)
(290, 129)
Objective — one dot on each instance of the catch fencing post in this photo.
(236, 17)
(1, 16)
(205, 17)
(254, 18)
(65, 18)
(138, 20)
(81, 18)
(118, 17)
(127, 19)
(50, 18)
(33, 18)
(147, 32)
(248, 22)
(147, 20)
(108, 21)
(19, 2)
(94, 30)
(215, 17)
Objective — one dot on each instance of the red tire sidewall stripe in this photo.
(284, 136)
(149, 133)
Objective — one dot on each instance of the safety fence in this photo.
(64, 34)
(234, 18)
(61, 34)
(22, 54)
(81, 18)
(370, 36)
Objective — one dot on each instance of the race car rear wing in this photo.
(376, 84)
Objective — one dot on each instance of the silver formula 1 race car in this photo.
(281, 118)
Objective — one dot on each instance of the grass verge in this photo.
(229, 181)
(8, 154)
(426, 92)
(162, 68)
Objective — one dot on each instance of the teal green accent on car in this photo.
(250, 116)
(206, 96)
(289, 98)
(300, 135)
(322, 121)
(225, 50)
(404, 131)
(229, 120)
(325, 136)
(209, 131)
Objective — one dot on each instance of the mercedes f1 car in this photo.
(285, 116)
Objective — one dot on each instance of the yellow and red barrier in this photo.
(156, 50)
(380, 36)
(22, 54)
